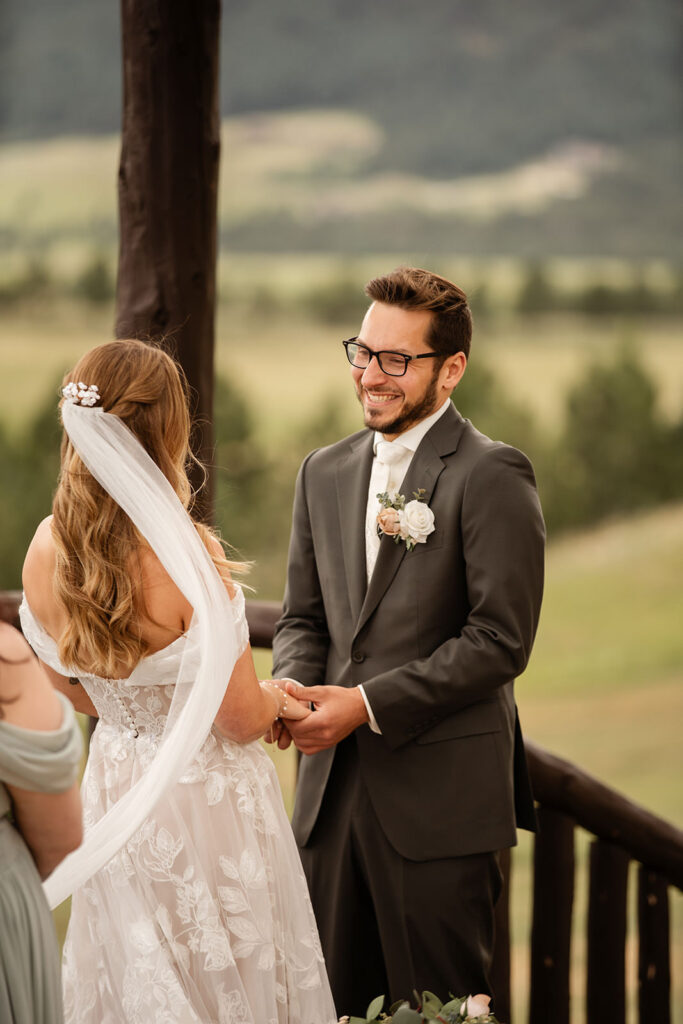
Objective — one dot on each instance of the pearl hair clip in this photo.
(81, 394)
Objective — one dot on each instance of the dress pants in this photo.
(389, 925)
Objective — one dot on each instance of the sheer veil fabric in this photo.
(124, 469)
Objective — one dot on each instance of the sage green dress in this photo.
(30, 983)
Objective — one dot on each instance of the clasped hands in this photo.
(337, 711)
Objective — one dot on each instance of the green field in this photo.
(314, 166)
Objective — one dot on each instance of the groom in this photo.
(408, 643)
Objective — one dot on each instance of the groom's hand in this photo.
(338, 711)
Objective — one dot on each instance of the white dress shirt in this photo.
(388, 477)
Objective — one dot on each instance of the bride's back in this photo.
(164, 611)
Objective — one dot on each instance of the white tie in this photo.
(389, 453)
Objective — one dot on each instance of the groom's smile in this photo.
(379, 397)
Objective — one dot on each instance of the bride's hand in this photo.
(295, 710)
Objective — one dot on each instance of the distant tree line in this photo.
(95, 282)
(538, 294)
(342, 299)
(615, 453)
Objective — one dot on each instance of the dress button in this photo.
(357, 657)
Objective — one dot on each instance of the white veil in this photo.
(124, 469)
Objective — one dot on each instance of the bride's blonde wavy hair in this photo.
(97, 576)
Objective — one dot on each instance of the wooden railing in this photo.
(569, 798)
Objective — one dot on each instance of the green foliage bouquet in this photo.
(460, 1009)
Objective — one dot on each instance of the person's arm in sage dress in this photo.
(50, 823)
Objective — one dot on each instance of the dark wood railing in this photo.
(568, 798)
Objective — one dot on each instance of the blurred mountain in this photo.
(459, 89)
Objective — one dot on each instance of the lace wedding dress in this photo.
(203, 915)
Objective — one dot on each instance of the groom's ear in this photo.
(452, 370)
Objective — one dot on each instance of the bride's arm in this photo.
(37, 577)
(73, 691)
(250, 707)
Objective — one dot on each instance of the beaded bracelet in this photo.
(282, 709)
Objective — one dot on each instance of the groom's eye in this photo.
(358, 354)
(393, 363)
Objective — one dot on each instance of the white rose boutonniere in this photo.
(411, 523)
(417, 522)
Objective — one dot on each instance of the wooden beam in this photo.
(168, 186)
(607, 814)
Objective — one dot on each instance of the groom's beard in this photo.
(409, 415)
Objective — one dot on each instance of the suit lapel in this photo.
(424, 471)
(353, 481)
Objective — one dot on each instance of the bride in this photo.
(189, 902)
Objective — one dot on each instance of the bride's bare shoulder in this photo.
(43, 536)
(37, 575)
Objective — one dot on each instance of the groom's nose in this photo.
(373, 374)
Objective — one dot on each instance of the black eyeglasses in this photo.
(394, 364)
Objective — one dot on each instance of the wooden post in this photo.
(552, 918)
(168, 185)
(654, 969)
(606, 965)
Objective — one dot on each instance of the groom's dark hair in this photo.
(414, 289)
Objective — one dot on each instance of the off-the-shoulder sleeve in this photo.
(46, 649)
(46, 762)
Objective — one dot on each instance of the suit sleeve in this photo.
(301, 640)
(503, 539)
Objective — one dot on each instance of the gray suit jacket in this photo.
(436, 638)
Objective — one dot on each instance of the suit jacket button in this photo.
(357, 657)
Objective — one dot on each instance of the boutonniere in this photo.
(411, 523)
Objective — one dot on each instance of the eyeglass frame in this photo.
(384, 352)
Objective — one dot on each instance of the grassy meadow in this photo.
(312, 168)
